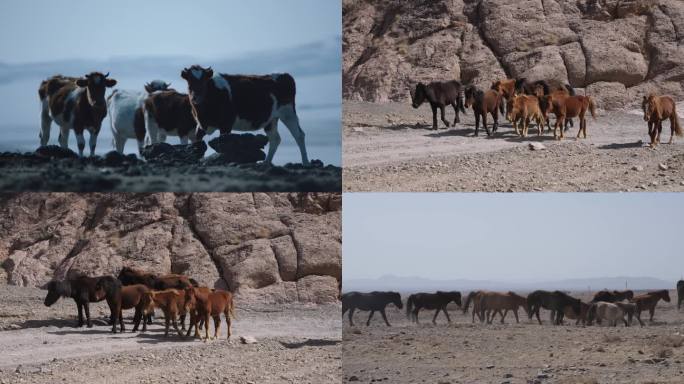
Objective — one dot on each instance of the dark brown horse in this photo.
(555, 301)
(569, 107)
(649, 301)
(483, 103)
(132, 296)
(373, 301)
(680, 293)
(82, 290)
(437, 301)
(612, 296)
(492, 303)
(439, 94)
(659, 108)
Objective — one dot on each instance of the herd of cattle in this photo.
(527, 101)
(215, 101)
(176, 295)
(609, 306)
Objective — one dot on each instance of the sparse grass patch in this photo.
(612, 339)
(663, 353)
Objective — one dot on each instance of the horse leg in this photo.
(136, 319)
(503, 315)
(217, 325)
(456, 119)
(86, 307)
(166, 321)
(537, 314)
(351, 316)
(484, 123)
(447, 315)
(415, 315)
(515, 312)
(660, 130)
(477, 123)
(80, 313)
(434, 116)
(370, 317)
(651, 311)
(672, 128)
(434, 318)
(495, 117)
(652, 134)
(384, 317)
(441, 111)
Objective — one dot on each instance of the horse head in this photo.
(56, 289)
(395, 298)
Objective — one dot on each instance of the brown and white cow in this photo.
(169, 113)
(244, 103)
(74, 103)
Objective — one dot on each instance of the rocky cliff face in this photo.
(616, 49)
(265, 247)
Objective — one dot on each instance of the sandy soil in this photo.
(513, 353)
(295, 344)
(392, 147)
(28, 173)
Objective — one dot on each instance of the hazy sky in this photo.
(513, 237)
(39, 30)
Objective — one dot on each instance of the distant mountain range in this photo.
(412, 284)
(316, 58)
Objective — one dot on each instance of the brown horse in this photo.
(473, 297)
(492, 303)
(438, 301)
(134, 296)
(613, 296)
(523, 109)
(483, 103)
(656, 109)
(172, 302)
(211, 303)
(569, 107)
(570, 313)
(649, 301)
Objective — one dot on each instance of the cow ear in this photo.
(209, 72)
(110, 82)
(184, 74)
(148, 88)
(82, 82)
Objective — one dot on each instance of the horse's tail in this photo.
(409, 306)
(592, 107)
(570, 89)
(231, 310)
(675, 122)
(467, 302)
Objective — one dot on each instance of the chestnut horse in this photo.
(523, 109)
(373, 301)
(473, 297)
(649, 301)
(438, 301)
(492, 303)
(483, 103)
(656, 109)
(132, 296)
(569, 107)
(211, 303)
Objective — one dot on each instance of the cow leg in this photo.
(92, 140)
(151, 127)
(183, 140)
(384, 317)
(370, 317)
(456, 119)
(351, 316)
(291, 121)
(80, 141)
(434, 318)
(45, 122)
(441, 111)
(273, 140)
(64, 136)
(434, 116)
(120, 142)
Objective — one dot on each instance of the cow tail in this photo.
(675, 122)
(409, 306)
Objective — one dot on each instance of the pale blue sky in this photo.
(513, 237)
(46, 30)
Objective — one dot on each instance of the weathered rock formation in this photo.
(616, 49)
(266, 247)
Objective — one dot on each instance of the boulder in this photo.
(167, 153)
(56, 152)
(245, 148)
(286, 255)
(318, 289)
(251, 264)
(608, 95)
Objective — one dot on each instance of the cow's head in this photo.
(157, 85)
(198, 79)
(95, 84)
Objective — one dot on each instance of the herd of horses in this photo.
(175, 295)
(609, 306)
(533, 101)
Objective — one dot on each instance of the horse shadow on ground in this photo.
(530, 137)
(637, 144)
(310, 343)
(404, 126)
(149, 338)
(59, 323)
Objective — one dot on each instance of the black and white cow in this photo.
(74, 103)
(126, 114)
(169, 113)
(244, 103)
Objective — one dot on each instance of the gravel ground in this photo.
(295, 344)
(462, 352)
(392, 147)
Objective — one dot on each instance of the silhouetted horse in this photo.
(555, 302)
(612, 296)
(373, 301)
(680, 293)
(483, 103)
(659, 108)
(649, 301)
(439, 94)
(82, 290)
(438, 301)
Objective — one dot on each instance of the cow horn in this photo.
(107, 75)
(209, 68)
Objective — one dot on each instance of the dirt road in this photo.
(295, 343)
(463, 352)
(392, 147)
